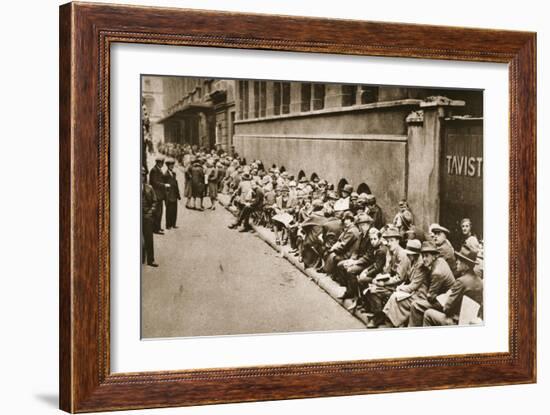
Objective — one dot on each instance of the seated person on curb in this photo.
(415, 286)
(345, 246)
(383, 285)
(376, 261)
(348, 269)
(308, 235)
(331, 230)
(441, 278)
(446, 250)
(468, 284)
(284, 204)
(252, 203)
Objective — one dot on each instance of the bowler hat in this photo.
(413, 247)
(436, 227)
(371, 198)
(170, 161)
(354, 195)
(159, 158)
(429, 248)
(467, 255)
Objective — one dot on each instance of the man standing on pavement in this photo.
(172, 195)
(156, 180)
(148, 208)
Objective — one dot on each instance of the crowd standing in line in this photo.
(396, 272)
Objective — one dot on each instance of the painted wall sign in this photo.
(464, 166)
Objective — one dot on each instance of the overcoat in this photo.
(173, 192)
(197, 180)
(416, 283)
(156, 180)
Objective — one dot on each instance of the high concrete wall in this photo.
(379, 164)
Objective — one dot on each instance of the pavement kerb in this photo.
(322, 280)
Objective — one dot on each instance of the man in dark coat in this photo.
(148, 207)
(440, 279)
(375, 211)
(156, 180)
(348, 269)
(197, 184)
(468, 284)
(172, 195)
(345, 247)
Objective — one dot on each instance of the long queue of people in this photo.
(396, 272)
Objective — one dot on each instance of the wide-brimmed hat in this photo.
(413, 247)
(371, 198)
(354, 195)
(363, 218)
(428, 248)
(436, 227)
(467, 255)
(391, 233)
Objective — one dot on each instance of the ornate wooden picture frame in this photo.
(87, 32)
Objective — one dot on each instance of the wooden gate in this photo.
(461, 191)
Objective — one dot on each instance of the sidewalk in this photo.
(322, 280)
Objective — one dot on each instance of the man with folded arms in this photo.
(398, 307)
(345, 246)
(441, 278)
(468, 284)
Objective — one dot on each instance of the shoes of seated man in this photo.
(246, 229)
(153, 264)
(232, 226)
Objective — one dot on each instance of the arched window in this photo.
(283, 169)
(363, 188)
(341, 185)
(301, 174)
(314, 177)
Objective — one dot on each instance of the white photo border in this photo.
(131, 354)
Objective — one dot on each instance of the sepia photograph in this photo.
(279, 206)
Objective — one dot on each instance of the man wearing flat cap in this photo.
(440, 238)
(156, 180)
(440, 279)
(468, 284)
